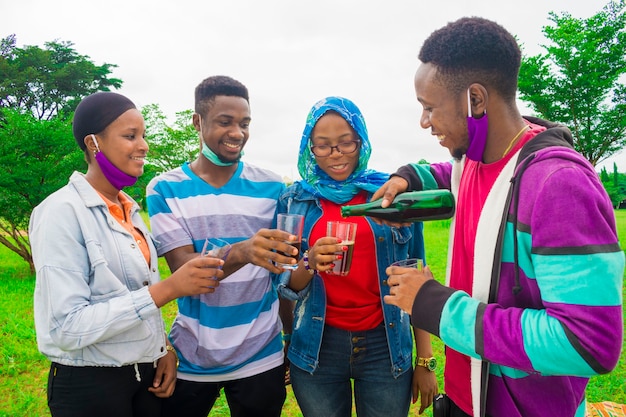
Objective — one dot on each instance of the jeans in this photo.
(78, 391)
(455, 411)
(359, 356)
(261, 395)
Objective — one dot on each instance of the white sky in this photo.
(288, 53)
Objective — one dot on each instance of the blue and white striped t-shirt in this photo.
(234, 332)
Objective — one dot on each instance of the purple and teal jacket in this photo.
(545, 313)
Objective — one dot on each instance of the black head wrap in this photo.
(95, 112)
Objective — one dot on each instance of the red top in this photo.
(477, 180)
(352, 301)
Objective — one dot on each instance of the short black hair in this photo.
(218, 85)
(474, 50)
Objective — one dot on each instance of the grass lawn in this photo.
(23, 370)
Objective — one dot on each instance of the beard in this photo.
(228, 160)
(457, 153)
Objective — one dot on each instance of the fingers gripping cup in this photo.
(409, 263)
(216, 248)
(347, 233)
(292, 224)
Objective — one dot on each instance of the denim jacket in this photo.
(391, 244)
(92, 304)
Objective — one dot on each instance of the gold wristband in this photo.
(170, 348)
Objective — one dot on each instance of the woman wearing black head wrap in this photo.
(98, 289)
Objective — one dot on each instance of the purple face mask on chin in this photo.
(116, 177)
(477, 133)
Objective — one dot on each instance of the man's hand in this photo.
(264, 249)
(405, 283)
(165, 378)
(388, 191)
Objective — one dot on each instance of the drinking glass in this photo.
(410, 263)
(216, 248)
(345, 231)
(292, 224)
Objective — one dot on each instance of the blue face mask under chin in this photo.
(212, 156)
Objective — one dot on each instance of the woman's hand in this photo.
(199, 275)
(320, 258)
(323, 253)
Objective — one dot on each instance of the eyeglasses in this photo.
(343, 148)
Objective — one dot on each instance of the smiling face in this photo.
(123, 142)
(443, 111)
(225, 126)
(331, 129)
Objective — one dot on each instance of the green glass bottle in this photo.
(413, 206)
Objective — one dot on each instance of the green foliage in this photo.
(50, 80)
(39, 90)
(170, 146)
(615, 185)
(577, 81)
(138, 191)
(36, 159)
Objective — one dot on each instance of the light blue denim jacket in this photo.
(391, 244)
(92, 304)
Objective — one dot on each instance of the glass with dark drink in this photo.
(293, 224)
(347, 233)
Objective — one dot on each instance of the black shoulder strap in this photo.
(545, 139)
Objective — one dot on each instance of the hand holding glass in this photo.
(216, 248)
(292, 224)
(410, 263)
(347, 233)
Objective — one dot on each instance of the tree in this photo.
(577, 82)
(615, 186)
(39, 90)
(36, 159)
(47, 81)
(170, 146)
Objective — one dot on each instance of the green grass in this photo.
(23, 370)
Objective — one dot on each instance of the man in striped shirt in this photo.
(229, 338)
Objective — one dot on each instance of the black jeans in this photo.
(261, 395)
(77, 391)
(455, 411)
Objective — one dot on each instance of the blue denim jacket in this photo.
(391, 244)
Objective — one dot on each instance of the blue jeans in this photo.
(359, 356)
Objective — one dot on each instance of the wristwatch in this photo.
(428, 363)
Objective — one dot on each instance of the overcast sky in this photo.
(288, 53)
